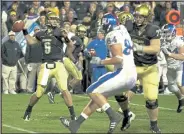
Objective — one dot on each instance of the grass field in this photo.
(45, 116)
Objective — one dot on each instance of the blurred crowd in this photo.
(80, 18)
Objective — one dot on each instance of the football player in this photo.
(112, 83)
(173, 48)
(146, 46)
(52, 65)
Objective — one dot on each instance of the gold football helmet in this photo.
(81, 30)
(53, 19)
(124, 16)
(142, 14)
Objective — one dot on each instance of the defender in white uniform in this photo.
(173, 49)
(112, 83)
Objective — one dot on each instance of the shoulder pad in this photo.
(113, 38)
(129, 25)
(57, 32)
(152, 31)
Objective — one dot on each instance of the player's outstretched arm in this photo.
(154, 47)
(30, 40)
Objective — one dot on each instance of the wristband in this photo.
(25, 32)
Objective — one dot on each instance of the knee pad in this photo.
(134, 89)
(40, 91)
(121, 98)
(152, 104)
(172, 87)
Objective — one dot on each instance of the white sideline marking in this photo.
(19, 129)
(134, 104)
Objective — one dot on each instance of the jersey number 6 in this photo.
(47, 47)
(127, 48)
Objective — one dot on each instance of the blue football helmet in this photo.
(168, 32)
(109, 21)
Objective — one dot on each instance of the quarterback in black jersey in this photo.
(146, 46)
(52, 65)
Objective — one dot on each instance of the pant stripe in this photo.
(102, 80)
(183, 75)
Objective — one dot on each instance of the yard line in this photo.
(133, 104)
(19, 129)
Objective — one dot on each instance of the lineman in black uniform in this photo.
(146, 46)
(52, 62)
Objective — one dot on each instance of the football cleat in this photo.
(180, 106)
(113, 123)
(50, 98)
(155, 129)
(127, 121)
(73, 126)
(27, 116)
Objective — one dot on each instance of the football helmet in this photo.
(124, 16)
(168, 32)
(142, 14)
(81, 31)
(53, 19)
(109, 21)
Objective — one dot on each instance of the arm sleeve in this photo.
(153, 32)
(38, 35)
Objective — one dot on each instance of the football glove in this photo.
(137, 47)
(95, 61)
(87, 54)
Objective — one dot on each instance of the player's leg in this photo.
(52, 90)
(74, 71)
(61, 76)
(173, 87)
(74, 125)
(43, 77)
(150, 82)
(103, 85)
(128, 116)
(180, 83)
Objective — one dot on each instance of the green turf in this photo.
(45, 116)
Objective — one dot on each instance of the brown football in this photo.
(18, 26)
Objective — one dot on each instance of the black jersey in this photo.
(52, 44)
(143, 37)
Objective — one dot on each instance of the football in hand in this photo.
(18, 26)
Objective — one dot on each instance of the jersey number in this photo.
(47, 47)
(128, 47)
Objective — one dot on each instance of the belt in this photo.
(52, 61)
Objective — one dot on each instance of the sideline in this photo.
(17, 128)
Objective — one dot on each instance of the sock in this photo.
(82, 118)
(72, 113)
(107, 108)
(125, 112)
(29, 108)
(153, 123)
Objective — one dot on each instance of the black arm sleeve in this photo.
(153, 32)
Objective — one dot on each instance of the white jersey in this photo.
(176, 43)
(121, 36)
(124, 77)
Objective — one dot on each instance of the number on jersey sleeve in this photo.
(127, 48)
